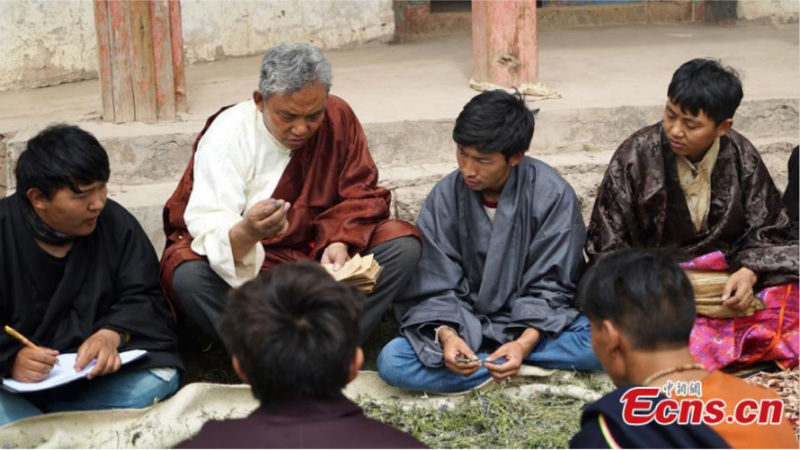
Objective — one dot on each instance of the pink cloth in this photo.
(768, 335)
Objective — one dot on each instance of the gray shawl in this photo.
(491, 281)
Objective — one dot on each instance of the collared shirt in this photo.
(695, 181)
(237, 164)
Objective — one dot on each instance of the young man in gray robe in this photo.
(502, 256)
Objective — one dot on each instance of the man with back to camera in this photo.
(641, 307)
(502, 255)
(281, 177)
(79, 275)
(292, 334)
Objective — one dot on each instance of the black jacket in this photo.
(109, 279)
(651, 435)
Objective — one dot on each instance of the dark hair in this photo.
(294, 331)
(645, 293)
(704, 85)
(495, 121)
(61, 156)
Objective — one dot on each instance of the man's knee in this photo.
(580, 324)
(144, 388)
(572, 349)
(188, 275)
(410, 250)
(13, 407)
(194, 278)
(390, 353)
(395, 356)
(585, 359)
(403, 252)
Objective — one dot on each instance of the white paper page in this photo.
(65, 372)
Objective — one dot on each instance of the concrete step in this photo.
(139, 154)
(146, 203)
(146, 154)
(411, 183)
(583, 171)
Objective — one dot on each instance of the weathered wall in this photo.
(247, 27)
(47, 42)
(780, 11)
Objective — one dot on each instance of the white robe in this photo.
(237, 164)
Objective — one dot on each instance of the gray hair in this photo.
(287, 68)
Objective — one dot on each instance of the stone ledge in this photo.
(411, 184)
(138, 153)
(144, 154)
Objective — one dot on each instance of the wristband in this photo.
(124, 337)
(436, 334)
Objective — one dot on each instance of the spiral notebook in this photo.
(64, 372)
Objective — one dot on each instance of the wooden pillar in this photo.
(504, 49)
(176, 38)
(141, 59)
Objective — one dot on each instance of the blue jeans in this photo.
(399, 366)
(130, 389)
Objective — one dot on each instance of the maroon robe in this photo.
(640, 203)
(331, 182)
(334, 423)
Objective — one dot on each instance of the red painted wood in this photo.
(136, 41)
(143, 72)
(101, 24)
(504, 45)
(121, 78)
(162, 59)
(176, 37)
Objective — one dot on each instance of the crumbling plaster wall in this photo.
(779, 11)
(46, 42)
(248, 27)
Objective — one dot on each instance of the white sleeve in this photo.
(221, 166)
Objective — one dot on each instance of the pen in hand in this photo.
(23, 340)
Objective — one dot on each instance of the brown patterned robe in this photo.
(640, 203)
(332, 184)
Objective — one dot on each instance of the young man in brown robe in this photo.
(693, 183)
(281, 177)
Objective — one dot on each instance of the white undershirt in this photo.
(490, 212)
(237, 164)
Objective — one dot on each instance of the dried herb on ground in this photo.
(787, 385)
(485, 420)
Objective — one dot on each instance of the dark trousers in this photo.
(203, 294)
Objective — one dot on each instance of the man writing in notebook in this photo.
(283, 176)
(78, 275)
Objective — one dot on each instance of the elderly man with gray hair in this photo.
(281, 177)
